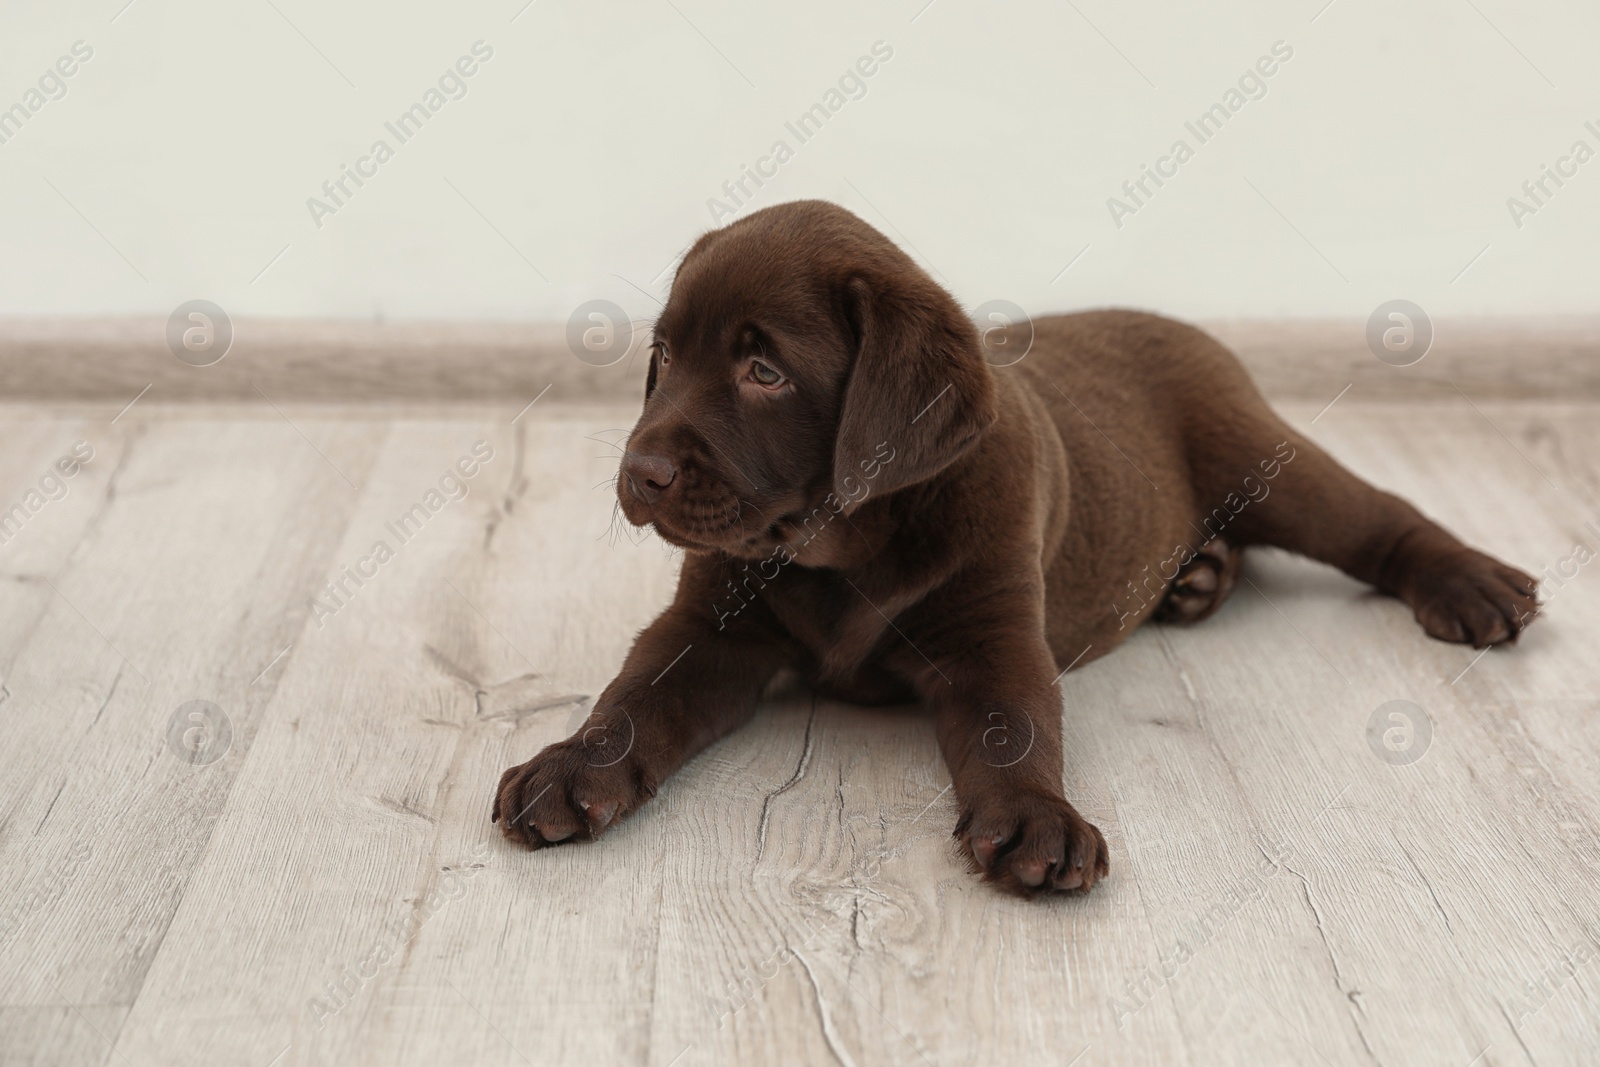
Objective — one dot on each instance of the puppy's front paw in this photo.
(1473, 598)
(1031, 843)
(572, 791)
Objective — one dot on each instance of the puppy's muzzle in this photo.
(649, 477)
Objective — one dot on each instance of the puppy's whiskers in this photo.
(610, 532)
(614, 446)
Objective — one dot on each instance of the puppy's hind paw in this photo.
(1202, 584)
(1473, 599)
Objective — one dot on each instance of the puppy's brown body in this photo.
(863, 498)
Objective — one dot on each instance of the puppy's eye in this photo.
(762, 374)
(663, 356)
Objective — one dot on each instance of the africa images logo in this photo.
(52, 85)
(852, 85)
(452, 85)
(1252, 85)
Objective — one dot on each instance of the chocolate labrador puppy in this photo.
(861, 496)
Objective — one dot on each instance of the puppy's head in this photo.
(802, 362)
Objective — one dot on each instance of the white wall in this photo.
(1384, 151)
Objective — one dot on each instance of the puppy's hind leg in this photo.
(1316, 507)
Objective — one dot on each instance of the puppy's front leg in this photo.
(1000, 731)
(687, 682)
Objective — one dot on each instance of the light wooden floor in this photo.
(1279, 893)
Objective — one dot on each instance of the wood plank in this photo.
(382, 746)
(50, 1036)
(1426, 907)
(182, 588)
(793, 895)
(56, 513)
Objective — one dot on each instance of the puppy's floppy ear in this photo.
(919, 390)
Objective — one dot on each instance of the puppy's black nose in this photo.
(648, 476)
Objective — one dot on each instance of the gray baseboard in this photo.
(364, 361)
